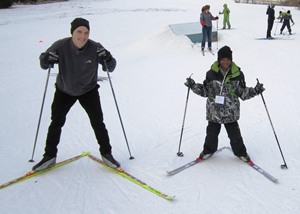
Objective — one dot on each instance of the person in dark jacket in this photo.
(271, 17)
(78, 58)
(286, 22)
(223, 86)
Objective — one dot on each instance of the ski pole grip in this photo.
(105, 68)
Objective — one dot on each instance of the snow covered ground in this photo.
(152, 66)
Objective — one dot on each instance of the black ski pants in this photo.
(61, 105)
(234, 134)
(287, 24)
(270, 26)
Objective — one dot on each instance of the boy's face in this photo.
(80, 36)
(225, 63)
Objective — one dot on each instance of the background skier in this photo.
(206, 21)
(281, 15)
(286, 22)
(226, 12)
(271, 17)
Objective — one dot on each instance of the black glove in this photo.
(50, 58)
(111, 65)
(103, 55)
(217, 17)
(189, 82)
(259, 88)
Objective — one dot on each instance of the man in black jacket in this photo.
(78, 58)
(271, 17)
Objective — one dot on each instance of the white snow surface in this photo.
(153, 64)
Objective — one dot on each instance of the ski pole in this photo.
(284, 165)
(217, 34)
(113, 92)
(41, 112)
(179, 153)
(276, 28)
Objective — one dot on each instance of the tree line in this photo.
(9, 3)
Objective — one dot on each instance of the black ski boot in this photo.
(245, 158)
(109, 160)
(204, 156)
(45, 163)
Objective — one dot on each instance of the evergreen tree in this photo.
(5, 3)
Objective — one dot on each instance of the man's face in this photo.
(80, 36)
(225, 63)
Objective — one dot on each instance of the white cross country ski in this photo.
(263, 172)
(203, 52)
(31, 174)
(260, 170)
(133, 179)
(276, 38)
(189, 164)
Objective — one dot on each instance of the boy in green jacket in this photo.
(223, 86)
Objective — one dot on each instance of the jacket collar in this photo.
(234, 70)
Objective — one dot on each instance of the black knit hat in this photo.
(225, 52)
(79, 22)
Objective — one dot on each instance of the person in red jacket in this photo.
(206, 21)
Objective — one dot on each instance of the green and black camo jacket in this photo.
(231, 86)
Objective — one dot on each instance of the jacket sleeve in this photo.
(213, 17)
(202, 20)
(245, 92)
(201, 89)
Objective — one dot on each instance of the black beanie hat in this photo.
(225, 52)
(79, 22)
